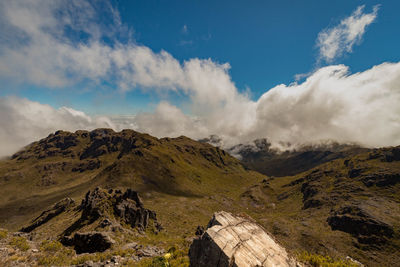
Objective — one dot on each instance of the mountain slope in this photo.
(68, 164)
(346, 207)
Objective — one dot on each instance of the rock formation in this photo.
(127, 207)
(102, 212)
(360, 223)
(107, 210)
(238, 242)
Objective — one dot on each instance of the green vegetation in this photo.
(173, 258)
(20, 243)
(51, 246)
(185, 182)
(317, 260)
(3, 233)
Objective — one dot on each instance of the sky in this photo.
(290, 71)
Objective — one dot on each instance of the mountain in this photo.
(345, 207)
(66, 164)
(137, 197)
(259, 155)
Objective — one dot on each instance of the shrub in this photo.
(3, 233)
(20, 243)
(51, 246)
(317, 260)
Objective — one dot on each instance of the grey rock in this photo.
(233, 241)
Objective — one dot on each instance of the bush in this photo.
(20, 243)
(54, 260)
(3, 233)
(317, 260)
(51, 246)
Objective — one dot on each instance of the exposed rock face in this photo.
(89, 242)
(381, 179)
(126, 206)
(360, 223)
(47, 215)
(238, 242)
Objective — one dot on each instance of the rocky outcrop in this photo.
(89, 242)
(236, 241)
(126, 207)
(360, 223)
(47, 215)
(380, 179)
(105, 212)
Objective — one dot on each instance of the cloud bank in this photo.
(334, 42)
(331, 104)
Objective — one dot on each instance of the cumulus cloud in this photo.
(334, 42)
(24, 121)
(331, 104)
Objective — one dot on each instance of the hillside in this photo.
(86, 181)
(346, 207)
(69, 164)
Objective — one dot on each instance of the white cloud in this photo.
(330, 104)
(334, 42)
(185, 29)
(24, 121)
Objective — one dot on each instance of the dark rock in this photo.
(105, 223)
(106, 204)
(381, 179)
(199, 230)
(90, 242)
(310, 192)
(87, 166)
(361, 224)
(354, 172)
(47, 215)
(95, 204)
(312, 203)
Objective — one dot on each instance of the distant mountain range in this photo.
(261, 156)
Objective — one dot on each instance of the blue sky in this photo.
(265, 42)
(295, 72)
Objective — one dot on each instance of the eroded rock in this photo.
(236, 241)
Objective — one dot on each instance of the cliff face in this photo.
(237, 241)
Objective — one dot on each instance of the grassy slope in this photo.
(282, 210)
(185, 182)
(167, 168)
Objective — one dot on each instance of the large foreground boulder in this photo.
(235, 241)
